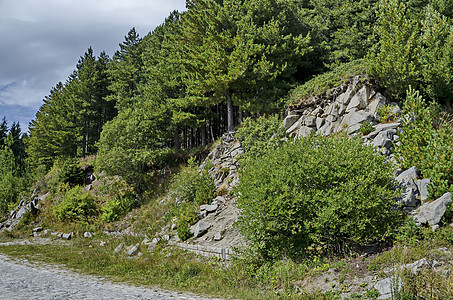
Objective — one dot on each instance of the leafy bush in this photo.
(427, 142)
(186, 215)
(75, 205)
(259, 136)
(366, 128)
(314, 194)
(387, 113)
(120, 199)
(192, 186)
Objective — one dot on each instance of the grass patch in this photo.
(321, 84)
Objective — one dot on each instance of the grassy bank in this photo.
(350, 277)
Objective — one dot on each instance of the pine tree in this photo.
(234, 51)
(3, 131)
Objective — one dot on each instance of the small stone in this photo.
(201, 228)
(118, 248)
(87, 235)
(133, 250)
(102, 244)
(202, 214)
(166, 237)
(37, 229)
(66, 236)
(209, 208)
(151, 246)
(218, 236)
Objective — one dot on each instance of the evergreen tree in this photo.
(235, 50)
(125, 71)
(3, 131)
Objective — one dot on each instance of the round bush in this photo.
(319, 193)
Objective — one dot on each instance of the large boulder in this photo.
(406, 182)
(432, 212)
(360, 99)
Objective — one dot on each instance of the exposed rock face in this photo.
(24, 207)
(224, 164)
(347, 111)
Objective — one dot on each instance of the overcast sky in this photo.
(42, 40)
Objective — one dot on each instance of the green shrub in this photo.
(115, 208)
(259, 136)
(387, 113)
(186, 215)
(366, 128)
(427, 142)
(75, 205)
(71, 173)
(192, 186)
(318, 193)
(120, 199)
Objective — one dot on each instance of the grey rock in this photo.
(165, 237)
(218, 200)
(21, 212)
(355, 117)
(201, 228)
(331, 118)
(406, 182)
(377, 101)
(66, 236)
(431, 213)
(319, 122)
(326, 129)
(384, 139)
(345, 97)
(151, 246)
(416, 266)
(295, 126)
(87, 235)
(382, 127)
(305, 131)
(290, 120)
(102, 244)
(218, 236)
(317, 111)
(202, 214)
(209, 207)
(133, 250)
(310, 121)
(118, 248)
(422, 185)
(360, 99)
(37, 229)
(388, 286)
(354, 128)
(404, 176)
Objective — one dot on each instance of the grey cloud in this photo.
(41, 42)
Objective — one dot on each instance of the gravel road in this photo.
(22, 279)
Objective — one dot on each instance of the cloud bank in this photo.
(41, 42)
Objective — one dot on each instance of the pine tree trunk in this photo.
(203, 135)
(230, 113)
(176, 138)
